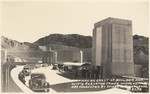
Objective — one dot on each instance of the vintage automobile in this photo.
(54, 67)
(45, 65)
(21, 77)
(38, 82)
(31, 66)
(26, 71)
(38, 65)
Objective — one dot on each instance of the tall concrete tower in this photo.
(112, 47)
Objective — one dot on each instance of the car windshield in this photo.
(33, 76)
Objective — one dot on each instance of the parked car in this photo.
(21, 77)
(26, 70)
(32, 66)
(54, 67)
(38, 65)
(38, 82)
(45, 65)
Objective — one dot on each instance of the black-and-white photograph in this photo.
(74, 47)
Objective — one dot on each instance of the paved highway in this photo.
(59, 83)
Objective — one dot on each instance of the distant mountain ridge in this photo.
(81, 41)
(73, 40)
(9, 44)
(69, 40)
(19, 52)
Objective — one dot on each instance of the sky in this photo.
(28, 21)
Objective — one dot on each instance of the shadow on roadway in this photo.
(68, 76)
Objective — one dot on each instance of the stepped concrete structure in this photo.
(112, 47)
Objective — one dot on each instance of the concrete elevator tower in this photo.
(112, 47)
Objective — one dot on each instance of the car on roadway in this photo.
(38, 65)
(26, 70)
(55, 66)
(21, 77)
(45, 65)
(38, 82)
